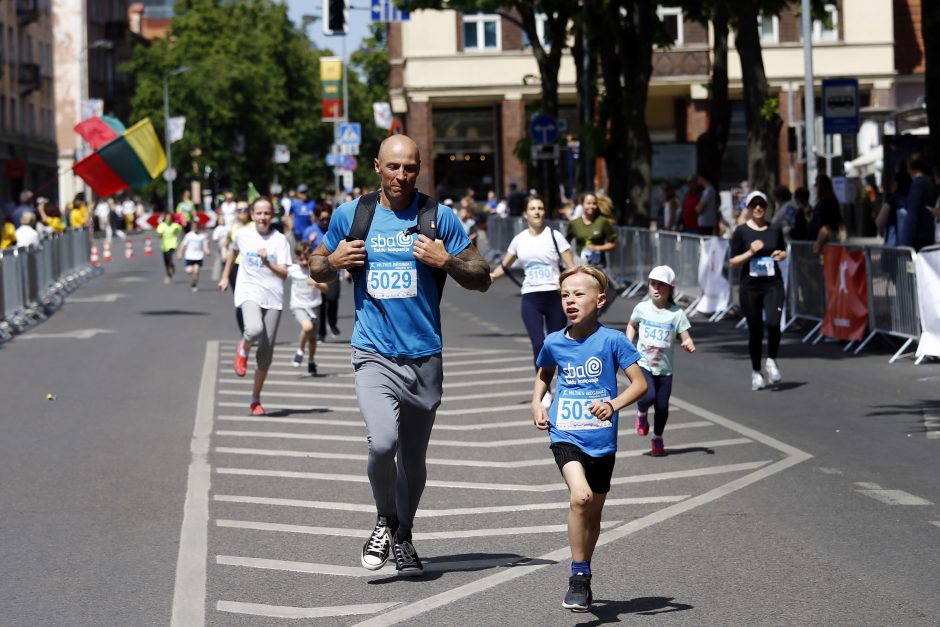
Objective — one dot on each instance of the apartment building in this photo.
(92, 40)
(465, 84)
(27, 100)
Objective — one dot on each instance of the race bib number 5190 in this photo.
(392, 279)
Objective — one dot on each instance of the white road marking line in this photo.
(311, 383)
(523, 395)
(284, 435)
(346, 532)
(100, 298)
(283, 611)
(935, 523)
(498, 360)
(931, 426)
(436, 513)
(889, 497)
(358, 571)
(78, 334)
(483, 426)
(794, 457)
(502, 487)
(189, 592)
(472, 463)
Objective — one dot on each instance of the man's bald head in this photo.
(395, 146)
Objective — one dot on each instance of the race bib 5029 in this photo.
(392, 279)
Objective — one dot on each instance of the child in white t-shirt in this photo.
(306, 295)
(194, 248)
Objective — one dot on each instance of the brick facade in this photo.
(513, 122)
(908, 38)
(418, 127)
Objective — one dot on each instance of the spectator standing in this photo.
(468, 219)
(784, 209)
(300, 214)
(802, 217)
(515, 201)
(667, 217)
(103, 217)
(129, 211)
(920, 227)
(78, 211)
(893, 212)
(826, 224)
(689, 202)
(593, 234)
(26, 233)
(25, 207)
(7, 232)
(707, 207)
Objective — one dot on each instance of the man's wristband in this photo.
(612, 410)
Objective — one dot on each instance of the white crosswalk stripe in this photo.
(490, 471)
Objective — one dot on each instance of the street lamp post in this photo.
(85, 89)
(170, 174)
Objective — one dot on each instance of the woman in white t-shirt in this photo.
(259, 291)
(194, 248)
(541, 251)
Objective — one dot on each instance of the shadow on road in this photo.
(282, 413)
(485, 563)
(786, 385)
(606, 612)
(690, 449)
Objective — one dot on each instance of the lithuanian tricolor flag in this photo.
(131, 159)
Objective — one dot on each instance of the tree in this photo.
(254, 83)
(930, 22)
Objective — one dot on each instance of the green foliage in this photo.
(770, 109)
(254, 77)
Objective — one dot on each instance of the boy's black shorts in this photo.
(597, 470)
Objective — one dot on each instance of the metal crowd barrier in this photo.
(892, 287)
(34, 280)
(892, 296)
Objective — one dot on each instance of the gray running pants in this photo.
(398, 399)
(261, 330)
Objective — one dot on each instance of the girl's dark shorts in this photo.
(597, 470)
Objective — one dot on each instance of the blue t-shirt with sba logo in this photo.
(397, 305)
(587, 372)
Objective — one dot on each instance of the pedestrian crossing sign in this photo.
(350, 133)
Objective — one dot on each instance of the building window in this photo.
(671, 17)
(769, 26)
(481, 31)
(29, 48)
(12, 42)
(541, 29)
(827, 30)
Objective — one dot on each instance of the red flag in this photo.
(846, 315)
(96, 132)
(99, 175)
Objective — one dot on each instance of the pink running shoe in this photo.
(656, 447)
(257, 410)
(241, 359)
(642, 426)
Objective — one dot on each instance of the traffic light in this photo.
(335, 17)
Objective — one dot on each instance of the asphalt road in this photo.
(145, 492)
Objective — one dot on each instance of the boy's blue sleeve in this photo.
(626, 352)
(450, 231)
(339, 225)
(545, 358)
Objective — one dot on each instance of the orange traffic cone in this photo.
(128, 249)
(107, 250)
(95, 261)
(148, 247)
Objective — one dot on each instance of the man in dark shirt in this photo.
(515, 201)
(920, 227)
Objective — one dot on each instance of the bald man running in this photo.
(397, 338)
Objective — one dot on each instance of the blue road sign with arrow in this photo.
(544, 129)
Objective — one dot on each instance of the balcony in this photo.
(29, 80)
(27, 11)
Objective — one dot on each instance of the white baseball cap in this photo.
(752, 196)
(664, 274)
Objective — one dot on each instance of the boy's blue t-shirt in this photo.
(587, 371)
(301, 212)
(397, 304)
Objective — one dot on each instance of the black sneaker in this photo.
(407, 562)
(579, 595)
(376, 549)
(312, 368)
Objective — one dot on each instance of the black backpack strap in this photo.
(362, 220)
(427, 226)
(551, 233)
